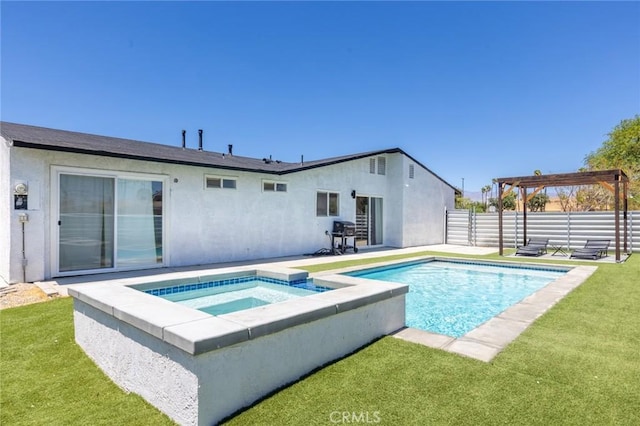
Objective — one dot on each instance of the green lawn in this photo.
(578, 364)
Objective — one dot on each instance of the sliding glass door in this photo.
(109, 223)
(139, 222)
(369, 223)
(86, 238)
(375, 236)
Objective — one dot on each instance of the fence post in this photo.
(473, 227)
(469, 228)
(445, 236)
(515, 229)
(568, 230)
(630, 245)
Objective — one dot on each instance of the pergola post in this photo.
(616, 204)
(523, 194)
(625, 214)
(500, 245)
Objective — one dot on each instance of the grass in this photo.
(46, 378)
(578, 364)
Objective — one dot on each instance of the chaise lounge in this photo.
(593, 249)
(534, 247)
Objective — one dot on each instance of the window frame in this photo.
(222, 180)
(382, 166)
(277, 185)
(54, 232)
(372, 165)
(327, 207)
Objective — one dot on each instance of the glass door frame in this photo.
(54, 245)
(370, 202)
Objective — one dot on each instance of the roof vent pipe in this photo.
(230, 149)
(184, 139)
(302, 160)
(199, 139)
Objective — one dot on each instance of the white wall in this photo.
(392, 205)
(204, 389)
(425, 198)
(218, 225)
(5, 212)
(32, 171)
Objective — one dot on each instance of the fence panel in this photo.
(458, 227)
(570, 229)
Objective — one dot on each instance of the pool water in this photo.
(453, 298)
(234, 305)
(218, 298)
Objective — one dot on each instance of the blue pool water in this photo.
(453, 298)
(225, 296)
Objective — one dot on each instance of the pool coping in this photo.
(196, 332)
(487, 340)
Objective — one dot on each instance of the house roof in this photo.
(26, 136)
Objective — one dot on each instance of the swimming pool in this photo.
(454, 297)
(236, 294)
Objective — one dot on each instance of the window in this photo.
(382, 165)
(219, 182)
(268, 186)
(327, 203)
(411, 171)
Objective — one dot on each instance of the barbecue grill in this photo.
(342, 231)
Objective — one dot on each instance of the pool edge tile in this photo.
(204, 335)
(426, 338)
(470, 348)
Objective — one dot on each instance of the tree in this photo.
(494, 187)
(567, 198)
(538, 202)
(485, 195)
(465, 203)
(593, 198)
(621, 151)
(508, 202)
(479, 207)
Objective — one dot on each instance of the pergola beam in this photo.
(508, 191)
(533, 194)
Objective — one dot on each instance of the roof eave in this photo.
(32, 145)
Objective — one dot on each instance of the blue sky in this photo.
(473, 90)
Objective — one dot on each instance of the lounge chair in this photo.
(534, 247)
(593, 249)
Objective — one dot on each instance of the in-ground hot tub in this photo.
(199, 368)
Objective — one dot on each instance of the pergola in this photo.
(610, 179)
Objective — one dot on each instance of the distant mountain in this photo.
(473, 195)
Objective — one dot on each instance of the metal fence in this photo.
(570, 229)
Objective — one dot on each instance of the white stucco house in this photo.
(79, 204)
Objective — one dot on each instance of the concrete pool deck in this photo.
(58, 285)
(482, 343)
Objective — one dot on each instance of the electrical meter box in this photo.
(20, 196)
